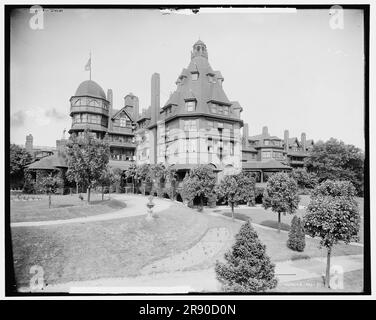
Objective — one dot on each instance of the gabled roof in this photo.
(293, 140)
(115, 113)
(52, 162)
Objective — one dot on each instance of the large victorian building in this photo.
(198, 124)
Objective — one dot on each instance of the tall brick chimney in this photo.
(110, 108)
(265, 130)
(155, 97)
(303, 141)
(29, 143)
(245, 133)
(286, 138)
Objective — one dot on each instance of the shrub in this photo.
(296, 240)
(247, 267)
(212, 200)
(281, 195)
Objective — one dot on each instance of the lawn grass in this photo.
(269, 218)
(122, 247)
(277, 249)
(102, 249)
(63, 207)
(352, 282)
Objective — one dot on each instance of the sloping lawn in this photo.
(63, 207)
(102, 249)
(269, 218)
(277, 249)
(352, 282)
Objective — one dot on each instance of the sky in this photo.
(287, 70)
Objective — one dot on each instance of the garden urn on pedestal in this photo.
(150, 206)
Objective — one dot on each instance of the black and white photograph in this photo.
(175, 150)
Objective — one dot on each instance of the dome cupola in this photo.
(91, 89)
(199, 50)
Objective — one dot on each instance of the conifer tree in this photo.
(247, 267)
(296, 240)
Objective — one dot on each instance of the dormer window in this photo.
(211, 78)
(194, 76)
(123, 122)
(190, 105)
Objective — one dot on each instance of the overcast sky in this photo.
(287, 70)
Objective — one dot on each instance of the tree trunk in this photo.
(49, 200)
(102, 193)
(327, 275)
(201, 202)
(232, 210)
(77, 187)
(88, 195)
(279, 222)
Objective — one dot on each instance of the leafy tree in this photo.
(200, 182)
(19, 158)
(296, 240)
(333, 215)
(131, 172)
(171, 177)
(247, 267)
(157, 176)
(87, 158)
(29, 183)
(335, 160)
(247, 186)
(48, 184)
(229, 191)
(304, 179)
(107, 178)
(118, 175)
(281, 195)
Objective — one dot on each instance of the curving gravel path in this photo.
(136, 206)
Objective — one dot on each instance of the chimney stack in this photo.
(303, 141)
(265, 131)
(29, 143)
(110, 106)
(155, 97)
(286, 138)
(245, 133)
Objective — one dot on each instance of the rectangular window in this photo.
(213, 108)
(266, 142)
(191, 105)
(266, 154)
(190, 125)
(231, 148)
(128, 123)
(220, 109)
(123, 122)
(220, 125)
(195, 76)
(84, 118)
(225, 111)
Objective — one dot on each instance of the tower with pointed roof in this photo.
(199, 124)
